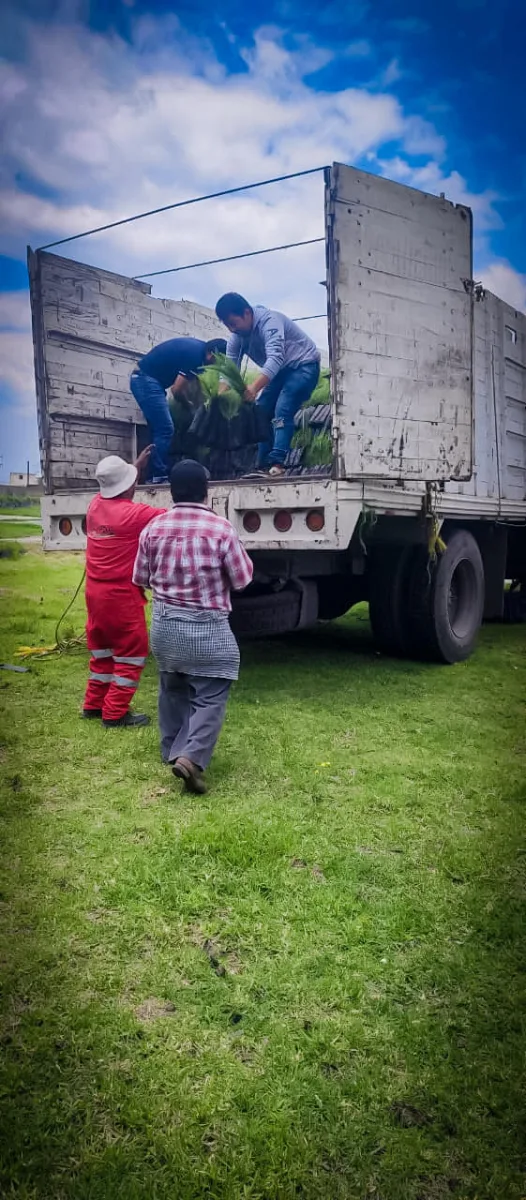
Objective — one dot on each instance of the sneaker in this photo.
(91, 714)
(128, 721)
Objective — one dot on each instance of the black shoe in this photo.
(128, 721)
(191, 775)
(90, 714)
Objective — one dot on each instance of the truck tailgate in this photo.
(399, 274)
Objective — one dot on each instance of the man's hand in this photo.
(178, 385)
(253, 390)
(142, 461)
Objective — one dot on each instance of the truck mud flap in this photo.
(268, 615)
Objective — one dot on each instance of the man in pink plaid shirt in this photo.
(192, 559)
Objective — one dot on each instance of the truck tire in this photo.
(266, 616)
(446, 600)
(388, 571)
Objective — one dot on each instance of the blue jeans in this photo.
(151, 398)
(282, 399)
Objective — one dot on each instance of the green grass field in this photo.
(19, 529)
(309, 982)
(20, 510)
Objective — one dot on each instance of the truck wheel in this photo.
(446, 601)
(388, 578)
(267, 615)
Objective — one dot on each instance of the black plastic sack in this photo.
(230, 464)
(249, 426)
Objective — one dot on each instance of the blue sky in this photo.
(113, 108)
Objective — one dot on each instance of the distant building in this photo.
(22, 479)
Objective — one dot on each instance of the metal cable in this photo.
(313, 317)
(152, 212)
(209, 262)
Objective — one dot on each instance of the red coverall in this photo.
(116, 627)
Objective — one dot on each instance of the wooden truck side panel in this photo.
(399, 279)
(89, 328)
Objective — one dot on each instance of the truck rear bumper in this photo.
(337, 503)
(289, 515)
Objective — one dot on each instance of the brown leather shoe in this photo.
(191, 775)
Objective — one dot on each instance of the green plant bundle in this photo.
(319, 453)
(180, 411)
(316, 447)
(223, 370)
(303, 438)
(322, 391)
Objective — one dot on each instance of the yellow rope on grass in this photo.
(60, 645)
(57, 648)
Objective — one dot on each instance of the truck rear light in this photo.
(65, 526)
(282, 521)
(315, 520)
(251, 522)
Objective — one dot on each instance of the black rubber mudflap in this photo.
(266, 616)
(514, 611)
(388, 570)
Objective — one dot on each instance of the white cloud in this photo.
(16, 357)
(110, 129)
(358, 49)
(104, 128)
(16, 354)
(392, 73)
(431, 178)
(15, 312)
(500, 278)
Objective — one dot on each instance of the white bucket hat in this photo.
(114, 476)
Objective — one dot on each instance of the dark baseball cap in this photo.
(189, 481)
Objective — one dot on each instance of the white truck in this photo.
(428, 404)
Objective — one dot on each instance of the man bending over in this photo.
(169, 365)
(290, 369)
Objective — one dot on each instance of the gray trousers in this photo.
(191, 714)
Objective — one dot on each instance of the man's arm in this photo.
(234, 348)
(272, 330)
(237, 564)
(253, 389)
(142, 460)
(141, 570)
(178, 384)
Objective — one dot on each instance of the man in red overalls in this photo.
(116, 627)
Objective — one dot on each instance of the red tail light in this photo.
(282, 521)
(65, 526)
(251, 522)
(315, 520)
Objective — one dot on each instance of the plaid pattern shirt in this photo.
(191, 557)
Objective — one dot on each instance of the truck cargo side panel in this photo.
(90, 327)
(499, 405)
(401, 329)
